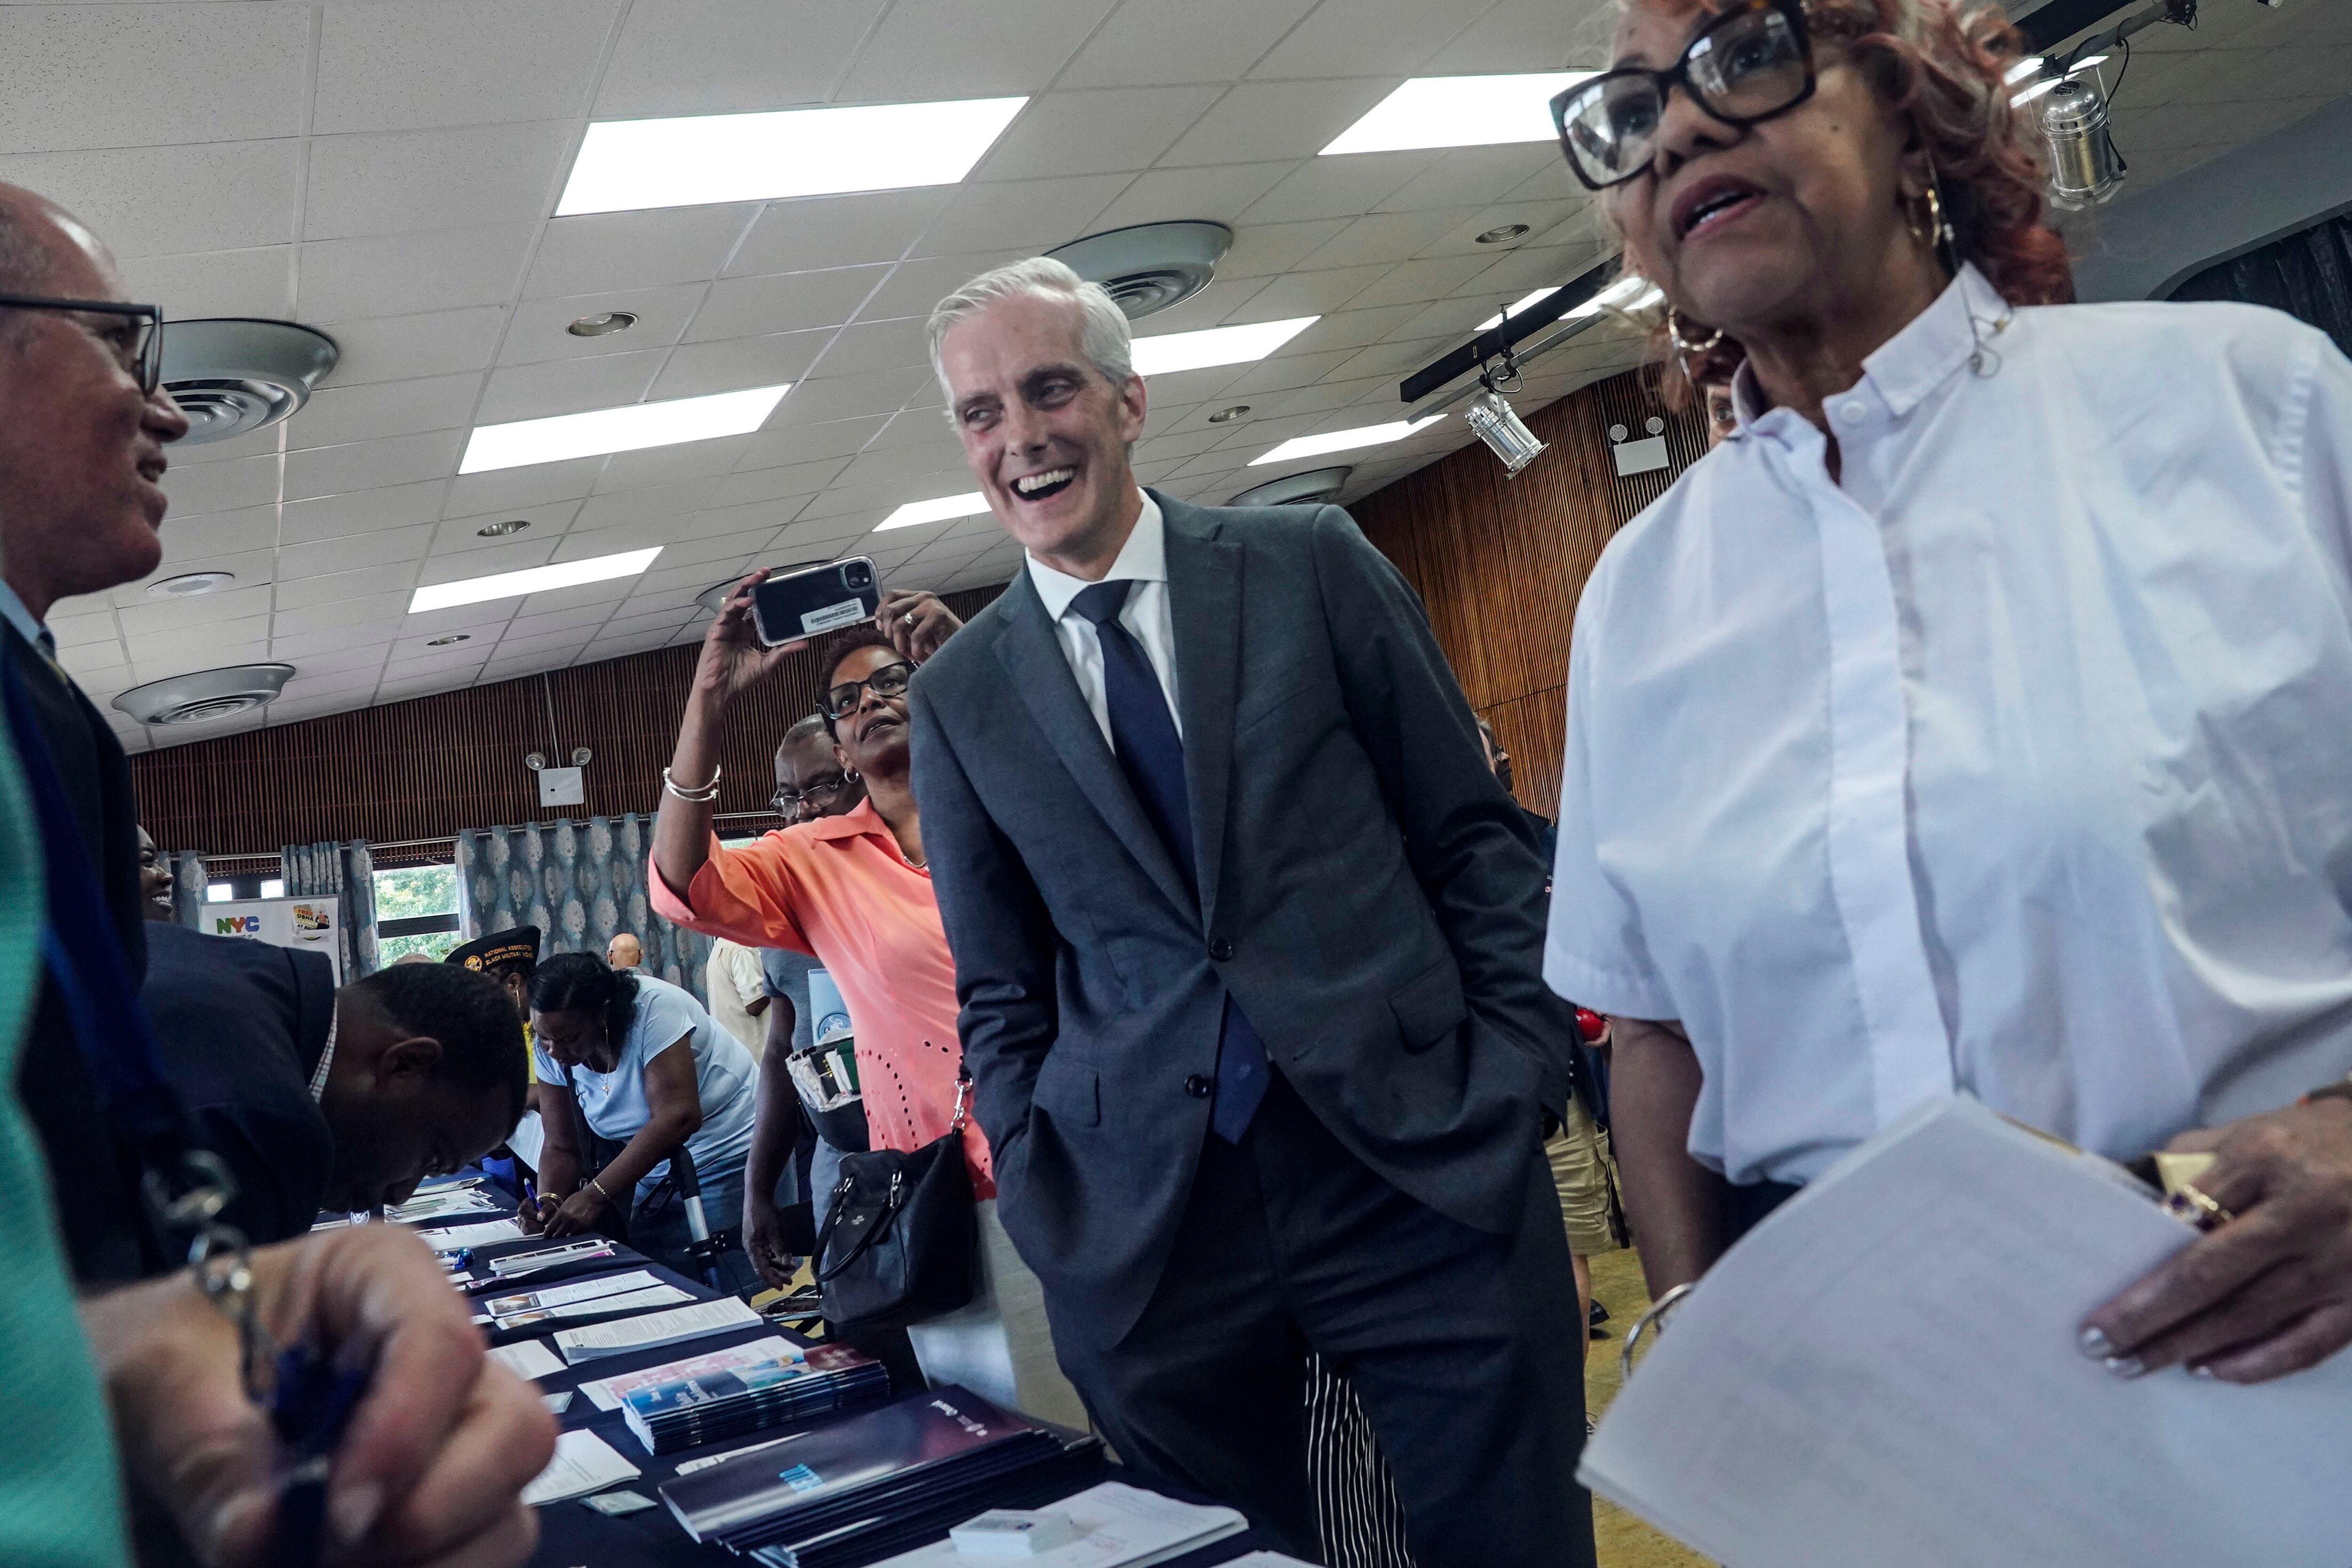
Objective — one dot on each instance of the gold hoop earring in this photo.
(1683, 345)
(1925, 233)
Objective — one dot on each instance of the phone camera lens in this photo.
(860, 578)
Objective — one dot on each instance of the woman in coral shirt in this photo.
(852, 891)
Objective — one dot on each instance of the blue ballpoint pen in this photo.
(310, 1408)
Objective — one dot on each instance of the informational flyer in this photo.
(310, 923)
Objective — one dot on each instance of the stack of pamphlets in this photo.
(882, 1481)
(1113, 1525)
(731, 1401)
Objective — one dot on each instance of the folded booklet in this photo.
(654, 1329)
(1116, 1526)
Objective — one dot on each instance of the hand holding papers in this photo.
(1885, 1372)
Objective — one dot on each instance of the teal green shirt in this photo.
(60, 1495)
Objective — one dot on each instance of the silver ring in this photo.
(906, 619)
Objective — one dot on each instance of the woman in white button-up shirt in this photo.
(1978, 717)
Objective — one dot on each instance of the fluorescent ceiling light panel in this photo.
(1521, 308)
(536, 580)
(1172, 352)
(629, 428)
(1345, 440)
(625, 165)
(1460, 112)
(2023, 69)
(1628, 293)
(915, 513)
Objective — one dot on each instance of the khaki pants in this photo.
(1585, 1173)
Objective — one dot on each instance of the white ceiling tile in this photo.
(406, 347)
(541, 331)
(1094, 132)
(423, 686)
(214, 282)
(733, 364)
(876, 345)
(1308, 294)
(336, 414)
(1475, 176)
(259, 443)
(568, 386)
(849, 396)
(463, 533)
(392, 182)
(321, 662)
(398, 275)
(204, 613)
(80, 621)
(610, 592)
(1529, 35)
(197, 536)
(535, 485)
(506, 555)
(147, 201)
(400, 64)
(190, 647)
(1025, 215)
(906, 462)
(745, 486)
(837, 231)
(1287, 370)
(717, 522)
(915, 287)
(576, 620)
(207, 488)
(334, 587)
(1382, 238)
(601, 252)
(138, 76)
(1549, 223)
(933, 50)
(368, 465)
(742, 307)
(1363, 37)
(546, 646)
(1533, 268)
(362, 511)
(1263, 250)
(1394, 360)
(332, 639)
(383, 547)
(1261, 121)
(1337, 187)
(247, 567)
(649, 508)
(1219, 194)
(412, 655)
(722, 56)
(672, 464)
(1147, 41)
(807, 443)
(1416, 282)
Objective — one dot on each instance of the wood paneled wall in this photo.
(432, 766)
(1500, 562)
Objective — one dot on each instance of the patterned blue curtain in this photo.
(189, 880)
(580, 883)
(346, 871)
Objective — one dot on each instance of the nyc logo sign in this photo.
(236, 925)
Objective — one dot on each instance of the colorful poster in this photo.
(306, 924)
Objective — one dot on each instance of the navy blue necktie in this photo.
(1151, 754)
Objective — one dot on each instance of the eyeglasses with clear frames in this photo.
(823, 793)
(138, 343)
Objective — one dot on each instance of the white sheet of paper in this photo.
(655, 1295)
(1119, 1526)
(1268, 1560)
(578, 1290)
(444, 1205)
(655, 1328)
(526, 1358)
(489, 1233)
(526, 1139)
(583, 1463)
(605, 1392)
(1886, 1371)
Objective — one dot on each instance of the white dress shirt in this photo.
(1143, 561)
(2018, 763)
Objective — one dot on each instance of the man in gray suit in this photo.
(1246, 948)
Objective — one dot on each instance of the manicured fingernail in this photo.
(353, 1511)
(2126, 1365)
(2201, 1372)
(2096, 1345)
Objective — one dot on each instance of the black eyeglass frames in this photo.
(784, 801)
(1752, 62)
(139, 341)
(889, 680)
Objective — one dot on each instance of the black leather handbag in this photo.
(901, 1244)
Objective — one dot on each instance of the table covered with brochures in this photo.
(690, 1415)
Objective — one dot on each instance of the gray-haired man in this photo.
(1246, 946)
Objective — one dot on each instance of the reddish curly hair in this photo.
(1942, 64)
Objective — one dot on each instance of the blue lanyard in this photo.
(85, 964)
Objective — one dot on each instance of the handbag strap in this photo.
(892, 1201)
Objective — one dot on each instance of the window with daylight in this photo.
(416, 911)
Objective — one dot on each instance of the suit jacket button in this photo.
(1197, 1087)
(1221, 950)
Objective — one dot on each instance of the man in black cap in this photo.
(318, 1097)
(508, 957)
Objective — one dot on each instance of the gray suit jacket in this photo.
(1380, 892)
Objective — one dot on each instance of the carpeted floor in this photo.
(1624, 1542)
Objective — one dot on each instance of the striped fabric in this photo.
(1361, 1520)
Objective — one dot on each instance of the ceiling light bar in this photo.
(1170, 351)
(536, 580)
(630, 429)
(2030, 66)
(1630, 292)
(915, 513)
(1343, 440)
(1460, 112)
(1521, 308)
(627, 165)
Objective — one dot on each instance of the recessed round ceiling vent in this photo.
(710, 599)
(1152, 266)
(235, 374)
(206, 694)
(1309, 488)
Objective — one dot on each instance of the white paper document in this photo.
(605, 1392)
(567, 1295)
(583, 1463)
(1119, 1526)
(489, 1233)
(655, 1328)
(1885, 1372)
(445, 1204)
(528, 1358)
(655, 1295)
